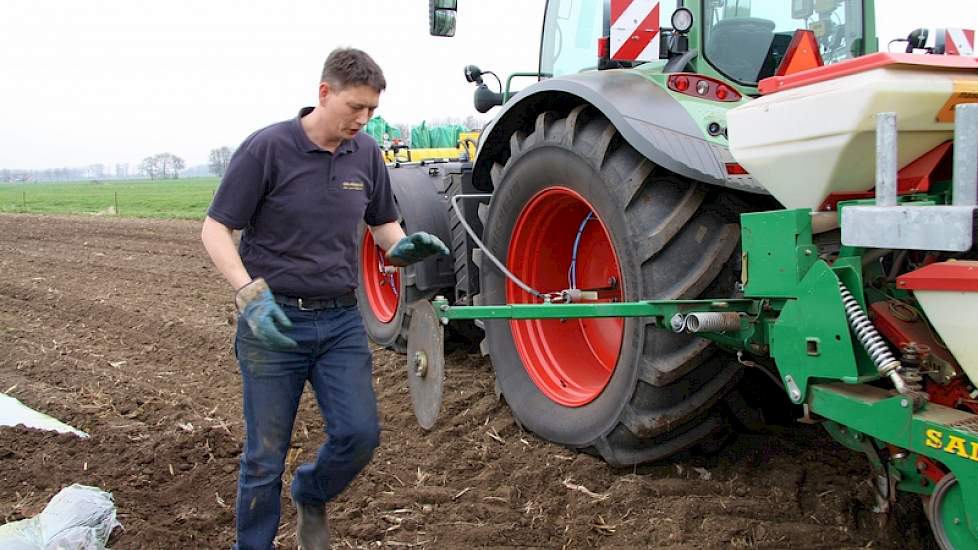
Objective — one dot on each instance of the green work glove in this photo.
(416, 247)
(263, 315)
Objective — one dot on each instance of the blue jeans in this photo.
(334, 358)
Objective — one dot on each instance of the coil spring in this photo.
(712, 322)
(911, 362)
(913, 378)
(867, 335)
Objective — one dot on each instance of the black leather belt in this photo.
(308, 304)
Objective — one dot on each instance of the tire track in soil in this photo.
(121, 328)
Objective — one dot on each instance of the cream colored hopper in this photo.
(815, 135)
(948, 293)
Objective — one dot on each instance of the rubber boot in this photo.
(313, 528)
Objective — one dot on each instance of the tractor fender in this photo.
(645, 115)
(419, 190)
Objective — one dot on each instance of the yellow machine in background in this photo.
(465, 148)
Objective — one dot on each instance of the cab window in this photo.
(570, 34)
(747, 42)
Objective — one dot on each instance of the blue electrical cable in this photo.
(572, 272)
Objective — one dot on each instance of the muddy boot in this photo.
(313, 530)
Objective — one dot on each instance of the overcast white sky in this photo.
(85, 82)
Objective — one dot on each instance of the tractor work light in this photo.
(473, 74)
(702, 87)
(682, 20)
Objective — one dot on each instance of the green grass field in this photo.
(185, 198)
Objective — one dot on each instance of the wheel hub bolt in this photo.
(420, 361)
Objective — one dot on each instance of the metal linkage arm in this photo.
(729, 322)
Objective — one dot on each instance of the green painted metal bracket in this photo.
(943, 434)
(778, 252)
(911, 479)
(811, 339)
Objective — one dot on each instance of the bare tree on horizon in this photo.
(219, 159)
(163, 166)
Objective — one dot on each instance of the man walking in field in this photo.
(298, 189)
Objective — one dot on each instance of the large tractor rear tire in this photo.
(574, 203)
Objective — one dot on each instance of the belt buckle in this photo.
(303, 308)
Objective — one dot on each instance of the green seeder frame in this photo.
(793, 312)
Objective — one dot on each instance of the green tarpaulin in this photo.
(377, 127)
(423, 137)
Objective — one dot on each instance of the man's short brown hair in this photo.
(352, 67)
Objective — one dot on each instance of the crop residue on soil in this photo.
(122, 329)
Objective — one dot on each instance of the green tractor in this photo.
(615, 175)
(699, 205)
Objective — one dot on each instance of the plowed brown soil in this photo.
(123, 329)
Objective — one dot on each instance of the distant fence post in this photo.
(116, 194)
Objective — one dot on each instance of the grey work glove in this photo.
(416, 247)
(263, 315)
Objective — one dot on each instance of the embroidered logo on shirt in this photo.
(353, 185)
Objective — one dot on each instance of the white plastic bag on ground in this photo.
(77, 518)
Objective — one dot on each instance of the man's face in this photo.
(349, 109)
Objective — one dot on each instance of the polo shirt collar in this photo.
(303, 143)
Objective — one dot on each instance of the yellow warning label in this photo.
(964, 92)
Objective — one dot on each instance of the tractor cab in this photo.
(733, 40)
(738, 41)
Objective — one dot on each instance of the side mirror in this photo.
(485, 99)
(441, 17)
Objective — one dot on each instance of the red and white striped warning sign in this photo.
(959, 42)
(635, 30)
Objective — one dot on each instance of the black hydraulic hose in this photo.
(756, 366)
(678, 64)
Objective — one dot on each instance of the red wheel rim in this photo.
(381, 288)
(570, 361)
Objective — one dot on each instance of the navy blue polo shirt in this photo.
(299, 205)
